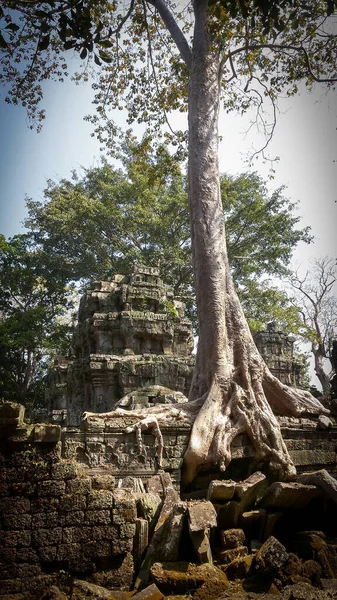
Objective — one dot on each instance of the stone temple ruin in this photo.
(131, 335)
(132, 348)
(88, 512)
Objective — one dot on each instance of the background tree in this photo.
(103, 222)
(192, 59)
(31, 306)
(317, 298)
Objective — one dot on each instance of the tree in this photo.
(31, 305)
(315, 295)
(103, 222)
(241, 54)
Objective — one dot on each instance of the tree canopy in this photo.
(32, 303)
(101, 223)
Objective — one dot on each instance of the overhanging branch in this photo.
(174, 29)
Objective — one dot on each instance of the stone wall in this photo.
(61, 514)
(56, 518)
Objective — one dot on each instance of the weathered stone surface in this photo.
(232, 538)
(158, 484)
(149, 593)
(166, 536)
(227, 556)
(54, 594)
(307, 543)
(120, 576)
(247, 491)
(304, 591)
(329, 584)
(240, 567)
(183, 577)
(323, 422)
(221, 490)
(141, 540)
(103, 482)
(312, 570)
(321, 479)
(201, 544)
(327, 558)
(271, 556)
(202, 515)
(11, 413)
(228, 514)
(47, 433)
(281, 495)
(148, 507)
(84, 589)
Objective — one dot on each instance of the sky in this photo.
(305, 140)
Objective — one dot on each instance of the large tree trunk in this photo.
(230, 374)
(232, 389)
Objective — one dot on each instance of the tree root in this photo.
(247, 402)
(152, 424)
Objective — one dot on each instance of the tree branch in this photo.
(174, 29)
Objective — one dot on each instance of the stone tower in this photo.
(131, 335)
(277, 350)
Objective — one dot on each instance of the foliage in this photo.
(102, 223)
(265, 47)
(31, 304)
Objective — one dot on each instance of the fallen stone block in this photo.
(149, 593)
(281, 495)
(271, 556)
(327, 558)
(307, 543)
(159, 483)
(323, 422)
(221, 490)
(312, 570)
(183, 577)
(11, 413)
(201, 545)
(84, 589)
(165, 541)
(321, 479)
(47, 433)
(240, 567)
(232, 538)
(228, 514)
(227, 556)
(248, 490)
(202, 515)
(148, 507)
(54, 594)
(141, 539)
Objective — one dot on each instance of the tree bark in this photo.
(230, 375)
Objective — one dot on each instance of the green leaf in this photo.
(3, 43)
(43, 43)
